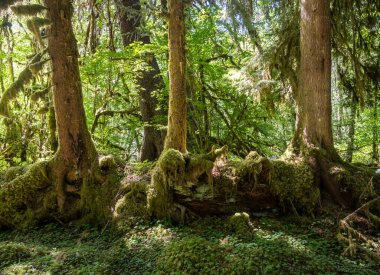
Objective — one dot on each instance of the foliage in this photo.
(207, 245)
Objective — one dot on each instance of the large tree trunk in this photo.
(313, 138)
(74, 183)
(313, 126)
(76, 157)
(176, 136)
(129, 12)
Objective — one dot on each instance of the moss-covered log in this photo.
(185, 186)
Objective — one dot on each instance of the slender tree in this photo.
(176, 136)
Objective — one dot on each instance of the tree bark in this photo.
(76, 157)
(313, 125)
(176, 137)
(129, 12)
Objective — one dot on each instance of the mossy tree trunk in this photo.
(75, 162)
(176, 136)
(130, 17)
(313, 138)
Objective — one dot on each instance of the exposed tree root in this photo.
(352, 238)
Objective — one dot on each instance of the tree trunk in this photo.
(313, 126)
(76, 157)
(351, 130)
(129, 12)
(313, 138)
(176, 137)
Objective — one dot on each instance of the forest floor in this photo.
(264, 245)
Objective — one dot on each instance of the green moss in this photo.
(97, 198)
(252, 166)
(12, 173)
(28, 10)
(133, 202)
(358, 181)
(24, 200)
(170, 169)
(24, 78)
(241, 225)
(293, 184)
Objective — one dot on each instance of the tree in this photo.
(76, 159)
(176, 136)
(313, 98)
(69, 185)
(149, 80)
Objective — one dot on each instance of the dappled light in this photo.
(189, 137)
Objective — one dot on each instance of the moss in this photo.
(252, 166)
(28, 10)
(241, 225)
(170, 169)
(133, 202)
(24, 78)
(12, 173)
(197, 167)
(98, 197)
(36, 67)
(24, 200)
(39, 94)
(293, 184)
(355, 181)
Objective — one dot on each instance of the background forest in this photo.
(251, 125)
(240, 66)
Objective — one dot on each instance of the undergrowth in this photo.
(207, 246)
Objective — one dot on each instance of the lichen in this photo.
(293, 184)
